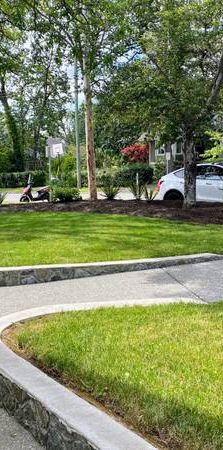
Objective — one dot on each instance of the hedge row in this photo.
(20, 179)
(121, 177)
(128, 174)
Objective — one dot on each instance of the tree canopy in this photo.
(150, 66)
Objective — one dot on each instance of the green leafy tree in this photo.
(215, 153)
(33, 84)
(44, 93)
(11, 58)
(94, 34)
(173, 90)
(5, 148)
(121, 115)
(184, 52)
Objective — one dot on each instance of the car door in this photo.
(214, 181)
(210, 183)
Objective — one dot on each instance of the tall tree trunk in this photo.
(40, 114)
(190, 170)
(36, 138)
(17, 159)
(217, 83)
(77, 128)
(91, 165)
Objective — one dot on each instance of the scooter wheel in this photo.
(24, 199)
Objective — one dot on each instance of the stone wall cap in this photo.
(152, 261)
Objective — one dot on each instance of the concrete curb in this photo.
(56, 417)
(14, 276)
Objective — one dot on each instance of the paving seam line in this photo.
(38, 402)
(15, 276)
(165, 270)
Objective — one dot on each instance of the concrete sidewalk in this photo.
(202, 281)
(13, 436)
(192, 282)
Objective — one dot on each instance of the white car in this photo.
(209, 184)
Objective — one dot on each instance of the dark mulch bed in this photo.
(203, 213)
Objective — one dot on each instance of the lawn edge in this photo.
(22, 275)
(37, 401)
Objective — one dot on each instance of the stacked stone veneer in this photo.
(46, 427)
(57, 418)
(13, 276)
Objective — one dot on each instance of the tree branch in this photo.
(217, 84)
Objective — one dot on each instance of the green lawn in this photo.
(13, 190)
(43, 238)
(160, 367)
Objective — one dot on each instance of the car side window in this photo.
(180, 173)
(202, 171)
(205, 172)
(214, 173)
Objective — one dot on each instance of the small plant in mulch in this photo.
(150, 194)
(109, 188)
(136, 189)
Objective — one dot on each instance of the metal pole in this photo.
(49, 158)
(77, 138)
(50, 174)
(137, 186)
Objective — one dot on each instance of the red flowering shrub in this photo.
(136, 153)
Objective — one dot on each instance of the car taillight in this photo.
(158, 186)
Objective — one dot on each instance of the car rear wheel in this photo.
(173, 195)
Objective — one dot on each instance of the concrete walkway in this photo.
(124, 194)
(193, 282)
(203, 281)
(13, 436)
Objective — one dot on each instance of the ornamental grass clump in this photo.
(109, 187)
(150, 194)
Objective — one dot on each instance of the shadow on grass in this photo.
(81, 237)
(75, 224)
(151, 366)
(169, 422)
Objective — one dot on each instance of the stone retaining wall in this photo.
(57, 417)
(14, 276)
(46, 427)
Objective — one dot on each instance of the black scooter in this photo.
(42, 194)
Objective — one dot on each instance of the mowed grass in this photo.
(159, 367)
(16, 190)
(64, 237)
